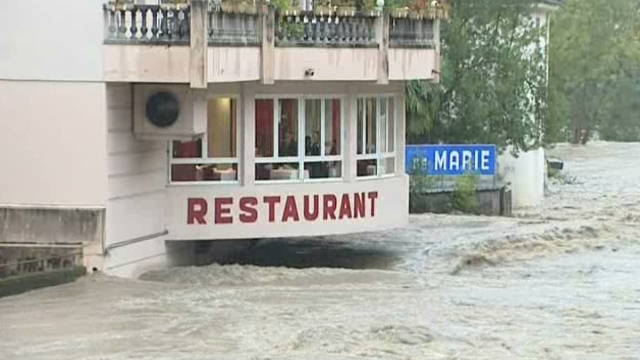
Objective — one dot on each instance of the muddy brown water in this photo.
(559, 281)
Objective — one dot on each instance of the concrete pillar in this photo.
(351, 134)
(198, 45)
(248, 130)
(400, 104)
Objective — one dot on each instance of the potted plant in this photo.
(287, 7)
(346, 8)
(120, 4)
(397, 8)
(369, 8)
(238, 7)
(322, 7)
(174, 4)
(418, 9)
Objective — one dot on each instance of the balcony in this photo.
(200, 44)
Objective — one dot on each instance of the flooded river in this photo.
(560, 281)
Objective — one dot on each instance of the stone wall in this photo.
(36, 240)
(490, 202)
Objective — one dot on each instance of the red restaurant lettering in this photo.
(249, 209)
(249, 213)
(196, 211)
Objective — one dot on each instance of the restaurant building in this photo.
(124, 128)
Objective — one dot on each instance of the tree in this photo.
(594, 50)
(493, 79)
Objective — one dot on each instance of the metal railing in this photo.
(33, 265)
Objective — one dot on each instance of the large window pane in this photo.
(313, 115)
(367, 167)
(391, 122)
(186, 149)
(264, 128)
(371, 129)
(204, 172)
(278, 171)
(221, 128)
(332, 127)
(323, 169)
(382, 121)
(386, 166)
(288, 127)
(360, 126)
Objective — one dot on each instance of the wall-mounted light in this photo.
(309, 72)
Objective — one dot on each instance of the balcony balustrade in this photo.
(153, 24)
(260, 43)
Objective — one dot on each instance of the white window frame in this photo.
(204, 159)
(301, 158)
(379, 156)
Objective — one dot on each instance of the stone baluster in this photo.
(325, 33)
(144, 29)
(112, 24)
(134, 21)
(211, 24)
(317, 29)
(164, 24)
(309, 30)
(122, 30)
(252, 33)
(154, 23)
(349, 29)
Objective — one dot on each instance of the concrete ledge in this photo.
(51, 225)
(18, 284)
(491, 202)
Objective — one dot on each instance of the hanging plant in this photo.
(322, 8)
(174, 4)
(287, 7)
(121, 4)
(238, 7)
(369, 8)
(397, 8)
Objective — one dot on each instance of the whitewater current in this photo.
(557, 281)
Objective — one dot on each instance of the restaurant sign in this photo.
(280, 209)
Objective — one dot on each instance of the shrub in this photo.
(419, 185)
(463, 197)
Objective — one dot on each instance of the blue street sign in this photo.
(453, 160)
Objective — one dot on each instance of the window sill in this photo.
(202, 183)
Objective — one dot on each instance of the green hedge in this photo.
(21, 283)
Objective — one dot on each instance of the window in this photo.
(376, 136)
(298, 138)
(212, 158)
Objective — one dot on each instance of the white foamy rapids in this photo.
(558, 281)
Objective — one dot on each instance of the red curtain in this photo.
(264, 127)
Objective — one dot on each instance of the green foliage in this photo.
(394, 4)
(292, 30)
(419, 185)
(595, 70)
(493, 79)
(463, 197)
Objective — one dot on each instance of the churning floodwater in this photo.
(560, 281)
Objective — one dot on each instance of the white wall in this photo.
(51, 39)
(137, 174)
(526, 174)
(391, 209)
(52, 144)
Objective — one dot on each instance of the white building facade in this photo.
(123, 128)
